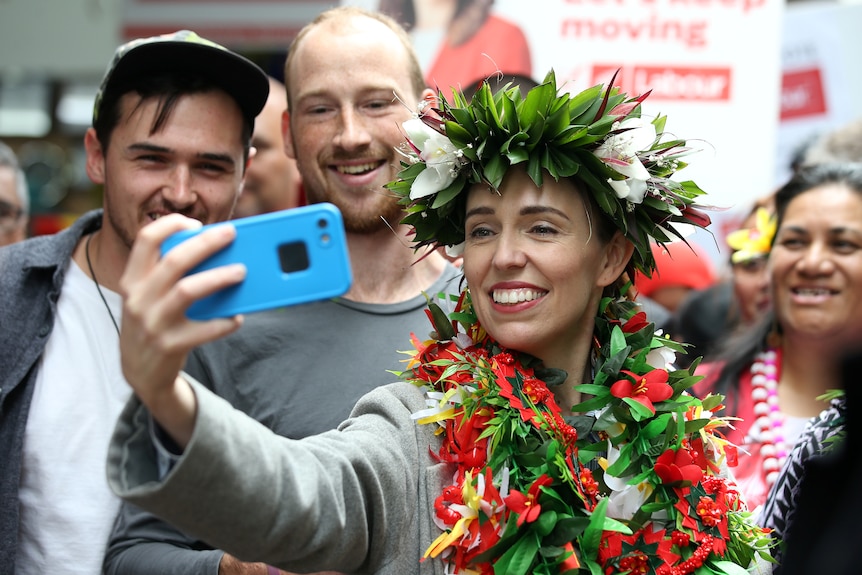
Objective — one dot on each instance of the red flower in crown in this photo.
(695, 216)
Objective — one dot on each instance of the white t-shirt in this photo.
(67, 508)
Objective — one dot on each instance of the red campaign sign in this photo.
(802, 94)
(680, 83)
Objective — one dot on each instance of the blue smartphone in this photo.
(291, 256)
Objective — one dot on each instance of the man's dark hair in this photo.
(167, 89)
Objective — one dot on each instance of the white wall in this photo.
(58, 38)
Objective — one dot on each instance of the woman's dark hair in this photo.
(167, 89)
(816, 175)
(739, 350)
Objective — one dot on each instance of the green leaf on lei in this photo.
(640, 411)
(711, 401)
(656, 427)
(442, 323)
(593, 533)
(519, 557)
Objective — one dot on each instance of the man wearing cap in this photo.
(171, 133)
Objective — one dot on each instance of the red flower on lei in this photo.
(636, 323)
(646, 389)
(527, 506)
(678, 466)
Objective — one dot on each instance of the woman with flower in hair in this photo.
(750, 246)
(774, 375)
(540, 429)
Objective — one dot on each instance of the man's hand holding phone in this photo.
(156, 335)
(291, 257)
(186, 284)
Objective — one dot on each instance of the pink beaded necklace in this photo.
(768, 425)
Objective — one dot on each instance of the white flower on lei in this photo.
(442, 159)
(605, 421)
(625, 500)
(619, 152)
(462, 340)
(661, 358)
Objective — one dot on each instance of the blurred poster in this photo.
(713, 67)
(460, 42)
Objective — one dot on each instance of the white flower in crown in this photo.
(442, 159)
(620, 152)
(455, 251)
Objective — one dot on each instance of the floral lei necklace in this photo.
(633, 487)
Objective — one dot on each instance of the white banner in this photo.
(712, 66)
(822, 80)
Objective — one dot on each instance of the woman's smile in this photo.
(514, 296)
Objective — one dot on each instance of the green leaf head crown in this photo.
(597, 137)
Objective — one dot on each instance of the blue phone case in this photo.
(292, 256)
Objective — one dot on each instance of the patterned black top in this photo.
(817, 439)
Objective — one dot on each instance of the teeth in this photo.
(360, 169)
(516, 295)
(812, 291)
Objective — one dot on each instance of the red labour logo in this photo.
(686, 83)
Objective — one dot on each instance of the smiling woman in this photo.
(554, 213)
(773, 377)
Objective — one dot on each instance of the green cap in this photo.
(184, 52)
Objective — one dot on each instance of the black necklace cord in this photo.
(98, 287)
